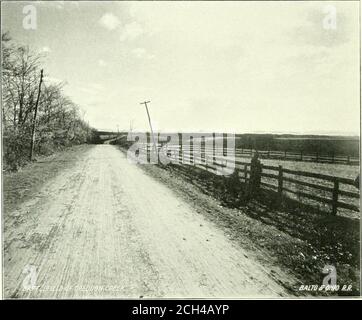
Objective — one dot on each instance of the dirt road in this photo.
(103, 228)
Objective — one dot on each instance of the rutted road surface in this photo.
(103, 228)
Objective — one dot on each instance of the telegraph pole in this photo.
(34, 119)
(149, 120)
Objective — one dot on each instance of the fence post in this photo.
(180, 151)
(255, 176)
(192, 150)
(280, 182)
(348, 160)
(202, 151)
(213, 149)
(301, 155)
(224, 144)
(158, 148)
(335, 196)
(148, 151)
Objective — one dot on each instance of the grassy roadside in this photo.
(294, 244)
(22, 185)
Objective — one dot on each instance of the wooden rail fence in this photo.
(298, 156)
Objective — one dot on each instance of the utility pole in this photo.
(149, 120)
(34, 119)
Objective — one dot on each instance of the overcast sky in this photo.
(219, 66)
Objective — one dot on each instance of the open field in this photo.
(340, 170)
